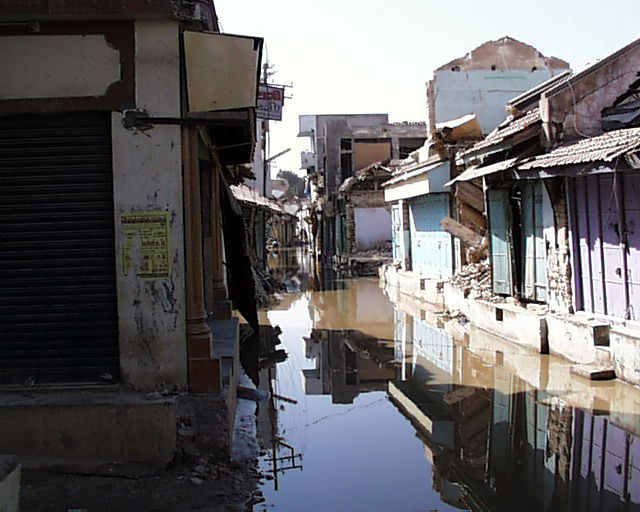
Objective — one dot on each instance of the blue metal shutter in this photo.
(57, 250)
(500, 234)
(431, 246)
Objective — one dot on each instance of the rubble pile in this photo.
(474, 280)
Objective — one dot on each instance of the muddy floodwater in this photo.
(389, 405)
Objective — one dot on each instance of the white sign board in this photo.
(270, 101)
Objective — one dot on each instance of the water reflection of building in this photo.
(291, 267)
(347, 363)
(499, 443)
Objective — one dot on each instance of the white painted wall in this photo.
(373, 227)
(482, 92)
(147, 169)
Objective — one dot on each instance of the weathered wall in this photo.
(373, 227)
(484, 80)
(148, 178)
(57, 66)
(482, 92)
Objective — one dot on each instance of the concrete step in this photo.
(115, 426)
(594, 371)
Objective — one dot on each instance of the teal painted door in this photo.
(431, 246)
(534, 253)
(500, 235)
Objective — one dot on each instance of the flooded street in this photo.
(381, 405)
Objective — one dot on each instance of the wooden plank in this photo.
(470, 194)
(468, 214)
(465, 234)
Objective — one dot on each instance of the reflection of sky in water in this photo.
(506, 427)
(359, 456)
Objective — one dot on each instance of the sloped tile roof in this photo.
(603, 148)
(510, 127)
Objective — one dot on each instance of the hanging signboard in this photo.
(270, 101)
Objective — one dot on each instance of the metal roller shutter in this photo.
(57, 257)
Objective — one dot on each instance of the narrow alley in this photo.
(342, 256)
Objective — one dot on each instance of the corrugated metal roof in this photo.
(511, 126)
(478, 172)
(603, 148)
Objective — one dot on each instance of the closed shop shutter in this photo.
(501, 250)
(431, 246)
(534, 251)
(57, 257)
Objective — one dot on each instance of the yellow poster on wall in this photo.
(146, 244)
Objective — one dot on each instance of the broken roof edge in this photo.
(533, 94)
(455, 123)
(495, 141)
(576, 77)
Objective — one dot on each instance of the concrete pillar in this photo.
(204, 372)
(217, 253)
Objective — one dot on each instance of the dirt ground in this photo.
(200, 477)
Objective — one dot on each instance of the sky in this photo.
(374, 56)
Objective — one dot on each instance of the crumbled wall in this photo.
(573, 112)
(559, 270)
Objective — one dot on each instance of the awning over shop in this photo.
(222, 73)
(484, 170)
(419, 179)
(249, 196)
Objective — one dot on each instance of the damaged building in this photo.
(365, 240)
(342, 145)
(546, 198)
(465, 101)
